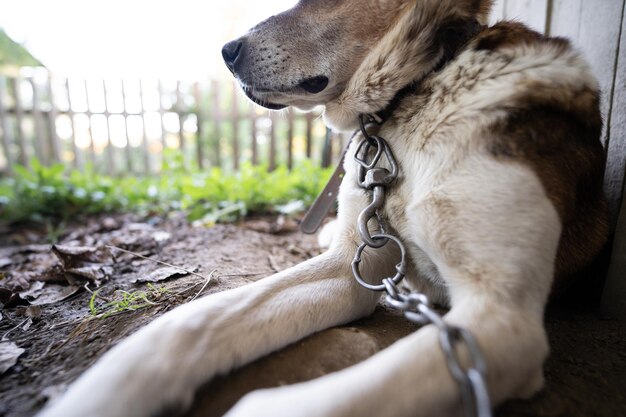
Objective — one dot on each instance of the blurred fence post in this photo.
(30, 117)
(7, 134)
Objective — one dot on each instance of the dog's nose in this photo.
(230, 52)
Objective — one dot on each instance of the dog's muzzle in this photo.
(233, 54)
(241, 63)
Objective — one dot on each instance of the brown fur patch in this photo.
(564, 149)
(508, 34)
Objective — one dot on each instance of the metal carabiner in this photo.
(364, 132)
(363, 150)
(400, 267)
(369, 213)
(368, 167)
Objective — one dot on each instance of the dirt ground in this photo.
(49, 333)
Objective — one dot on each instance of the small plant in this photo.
(125, 301)
(50, 196)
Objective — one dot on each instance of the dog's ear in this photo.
(479, 6)
(480, 9)
(475, 9)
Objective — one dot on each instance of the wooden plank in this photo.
(308, 117)
(616, 131)
(327, 151)
(7, 131)
(144, 129)
(614, 296)
(92, 146)
(39, 141)
(565, 16)
(596, 31)
(253, 135)
(234, 115)
(199, 125)
(497, 12)
(55, 145)
(598, 38)
(181, 121)
(217, 118)
(108, 149)
(19, 112)
(162, 114)
(290, 138)
(531, 12)
(127, 148)
(272, 150)
(78, 160)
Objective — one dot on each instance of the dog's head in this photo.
(344, 52)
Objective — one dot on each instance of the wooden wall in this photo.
(598, 28)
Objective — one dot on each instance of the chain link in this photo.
(415, 306)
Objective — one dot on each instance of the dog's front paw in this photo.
(265, 403)
(138, 377)
(278, 402)
(299, 400)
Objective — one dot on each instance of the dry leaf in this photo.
(95, 273)
(53, 293)
(9, 251)
(77, 256)
(85, 262)
(162, 274)
(34, 291)
(279, 225)
(31, 312)
(54, 274)
(9, 299)
(18, 280)
(41, 293)
(9, 354)
(161, 236)
(109, 223)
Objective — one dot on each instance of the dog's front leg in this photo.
(411, 377)
(498, 263)
(162, 364)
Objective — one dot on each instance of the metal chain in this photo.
(415, 306)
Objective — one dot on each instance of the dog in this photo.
(498, 201)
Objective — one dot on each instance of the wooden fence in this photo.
(122, 126)
(131, 128)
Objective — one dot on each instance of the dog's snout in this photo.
(230, 53)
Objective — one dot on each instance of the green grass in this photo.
(126, 301)
(52, 196)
